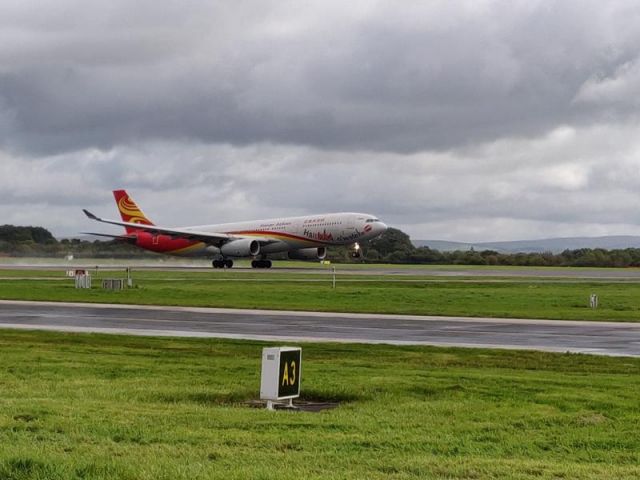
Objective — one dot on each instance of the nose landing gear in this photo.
(228, 263)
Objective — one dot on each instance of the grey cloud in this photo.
(567, 179)
(620, 90)
(424, 77)
(471, 120)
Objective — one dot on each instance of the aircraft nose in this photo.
(383, 227)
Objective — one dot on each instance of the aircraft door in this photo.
(351, 222)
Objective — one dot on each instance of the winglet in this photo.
(90, 215)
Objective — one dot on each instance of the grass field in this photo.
(406, 294)
(105, 407)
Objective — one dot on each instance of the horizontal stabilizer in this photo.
(115, 237)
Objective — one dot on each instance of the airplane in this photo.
(301, 238)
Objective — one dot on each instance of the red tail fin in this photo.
(129, 211)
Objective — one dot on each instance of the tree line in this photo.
(39, 242)
(393, 246)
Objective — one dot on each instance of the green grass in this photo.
(490, 297)
(105, 407)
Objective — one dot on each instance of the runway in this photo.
(602, 338)
(444, 271)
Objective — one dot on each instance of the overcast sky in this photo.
(460, 120)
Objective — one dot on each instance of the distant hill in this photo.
(554, 245)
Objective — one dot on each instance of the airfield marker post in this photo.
(83, 278)
(333, 270)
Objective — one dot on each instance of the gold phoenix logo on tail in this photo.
(130, 209)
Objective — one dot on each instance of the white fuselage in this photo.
(294, 233)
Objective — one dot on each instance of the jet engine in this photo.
(243, 247)
(308, 254)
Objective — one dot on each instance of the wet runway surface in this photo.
(630, 274)
(604, 338)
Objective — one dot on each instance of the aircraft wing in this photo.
(211, 238)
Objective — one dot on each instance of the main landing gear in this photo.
(261, 264)
(222, 263)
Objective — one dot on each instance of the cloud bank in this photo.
(469, 120)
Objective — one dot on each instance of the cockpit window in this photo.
(372, 220)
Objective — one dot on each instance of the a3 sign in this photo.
(281, 373)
